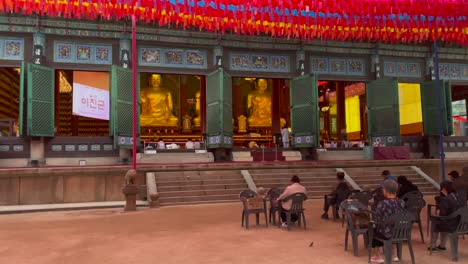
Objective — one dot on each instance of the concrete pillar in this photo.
(125, 154)
(275, 107)
(37, 150)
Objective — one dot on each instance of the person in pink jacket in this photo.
(294, 187)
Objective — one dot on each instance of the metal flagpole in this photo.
(134, 89)
(441, 117)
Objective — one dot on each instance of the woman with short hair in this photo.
(388, 207)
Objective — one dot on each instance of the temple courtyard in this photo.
(181, 234)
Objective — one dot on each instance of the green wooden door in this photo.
(304, 111)
(37, 105)
(121, 123)
(430, 107)
(219, 128)
(448, 101)
(22, 106)
(383, 113)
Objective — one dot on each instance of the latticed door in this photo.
(304, 111)
(430, 107)
(22, 101)
(121, 123)
(383, 113)
(219, 109)
(37, 117)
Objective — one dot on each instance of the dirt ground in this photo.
(183, 234)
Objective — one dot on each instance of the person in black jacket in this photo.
(447, 205)
(340, 192)
(405, 186)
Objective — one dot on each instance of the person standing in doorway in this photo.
(285, 137)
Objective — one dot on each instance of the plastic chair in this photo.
(349, 207)
(462, 229)
(252, 206)
(462, 197)
(272, 195)
(414, 203)
(363, 197)
(401, 234)
(296, 208)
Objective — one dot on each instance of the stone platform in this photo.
(175, 157)
(78, 184)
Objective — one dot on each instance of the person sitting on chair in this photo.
(386, 175)
(459, 182)
(406, 186)
(447, 204)
(388, 207)
(294, 187)
(340, 192)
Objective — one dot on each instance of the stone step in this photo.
(200, 187)
(189, 193)
(199, 199)
(374, 170)
(198, 178)
(289, 175)
(309, 188)
(286, 183)
(415, 180)
(290, 155)
(341, 155)
(196, 202)
(294, 171)
(199, 182)
(198, 173)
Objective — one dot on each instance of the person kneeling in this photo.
(294, 187)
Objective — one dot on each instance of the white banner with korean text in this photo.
(90, 102)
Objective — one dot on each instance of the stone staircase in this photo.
(370, 177)
(194, 187)
(317, 181)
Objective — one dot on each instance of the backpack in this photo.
(361, 219)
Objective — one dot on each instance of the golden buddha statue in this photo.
(259, 106)
(156, 105)
(197, 119)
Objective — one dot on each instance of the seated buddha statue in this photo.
(259, 106)
(197, 119)
(156, 105)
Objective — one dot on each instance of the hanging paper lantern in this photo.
(359, 20)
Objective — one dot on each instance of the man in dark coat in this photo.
(460, 183)
(405, 186)
(340, 192)
(447, 204)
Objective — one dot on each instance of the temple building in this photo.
(66, 90)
